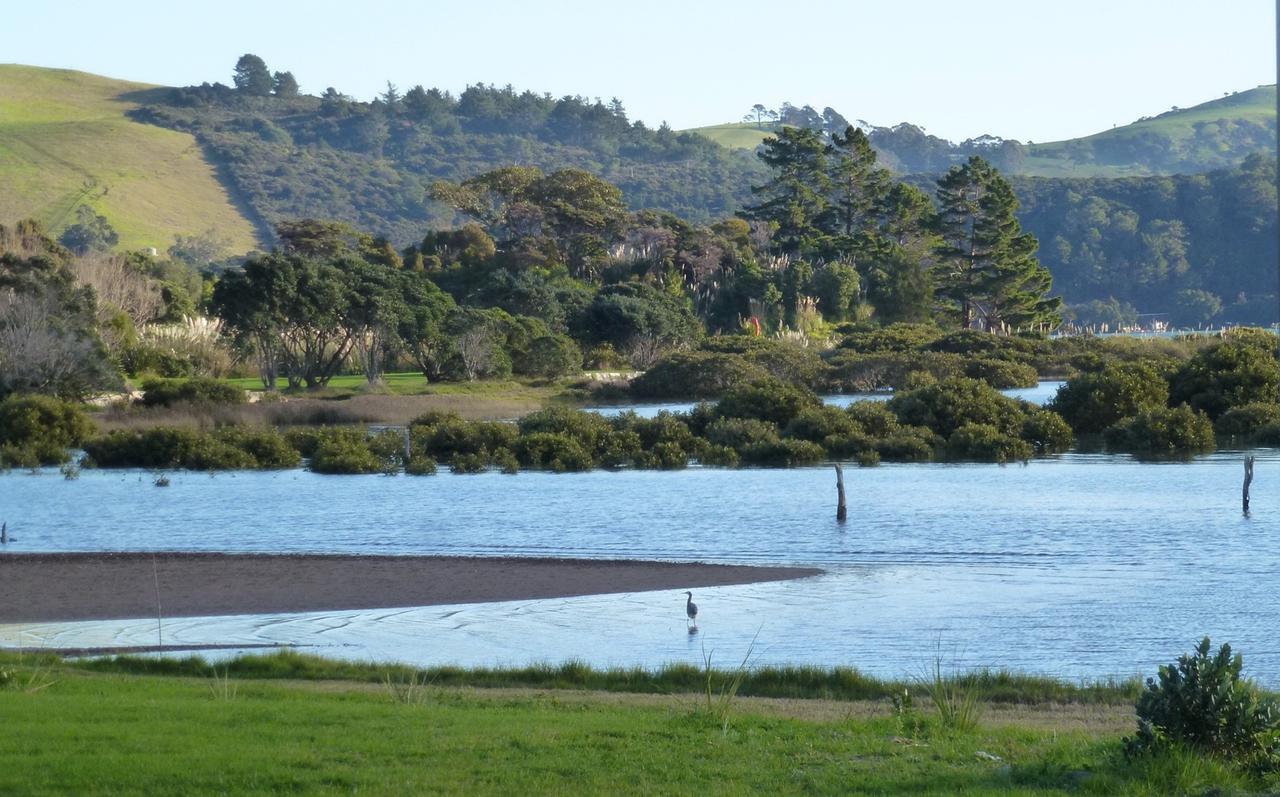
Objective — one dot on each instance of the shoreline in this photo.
(71, 587)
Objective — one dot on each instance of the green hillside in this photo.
(1217, 134)
(1212, 135)
(739, 135)
(65, 141)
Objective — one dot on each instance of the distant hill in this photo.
(65, 140)
(1217, 134)
(1212, 135)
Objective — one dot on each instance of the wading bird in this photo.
(691, 609)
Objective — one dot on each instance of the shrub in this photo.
(198, 390)
(344, 451)
(1046, 431)
(819, 423)
(388, 446)
(469, 463)
(895, 337)
(1092, 401)
(945, 407)
(980, 441)
(269, 449)
(908, 444)
(420, 466)
(169, 448)
(1268, 435)
(740, 433)
(1228, 374)
(550, 356)
(854, 372)
(696, 374)
(874, 417)
(445, 436)
(617, 448)
(1001, 374)
(722, 456)
(853, 444)
(1162, 432)
(1201, 702)
(767, 400)
(553, 451)
(783, 453)
(976, 343)
(304, 440)
(39, 430)
(665, 427)
(791, 363)
(663, 456)
(1245, 421)
(506, 462)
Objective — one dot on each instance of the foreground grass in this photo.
(71, 730)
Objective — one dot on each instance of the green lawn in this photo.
(71, 731)
(65, 140)
(120, 727)
(415, 384)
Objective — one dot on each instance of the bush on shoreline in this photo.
(39, 430)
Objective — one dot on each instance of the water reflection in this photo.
(1077, 566)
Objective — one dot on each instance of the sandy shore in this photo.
(98, 586)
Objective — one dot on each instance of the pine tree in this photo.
(796, 199)
(987, 264)
(858, 184)
(252, 77)
(284, 84)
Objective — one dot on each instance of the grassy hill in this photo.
(1212, 135)
(65, 141)
(738, 135)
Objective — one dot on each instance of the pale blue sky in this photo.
(1018, 68)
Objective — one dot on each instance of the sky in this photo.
(1024, 69)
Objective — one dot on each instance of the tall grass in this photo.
(792, 681)
(721, 689)
(955, 700)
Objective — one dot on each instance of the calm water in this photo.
(1080, 566)
(1040, 394)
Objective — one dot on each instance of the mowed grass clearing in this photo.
(65, 141)
(69, 731)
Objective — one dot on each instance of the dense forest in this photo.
(1194, 248)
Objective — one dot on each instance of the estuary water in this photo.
(1040, 394)
(1081, 566)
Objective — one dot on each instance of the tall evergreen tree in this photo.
(987, 265)
(858, 184)
(252, 76)
(796, 199)
(284, 84)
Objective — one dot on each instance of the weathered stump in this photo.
(842, 510)
(1248, 479)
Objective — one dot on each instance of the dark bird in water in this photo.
(691, 608)
(4, 533)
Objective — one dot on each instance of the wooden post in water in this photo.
(842, 510)
(1248, 478)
